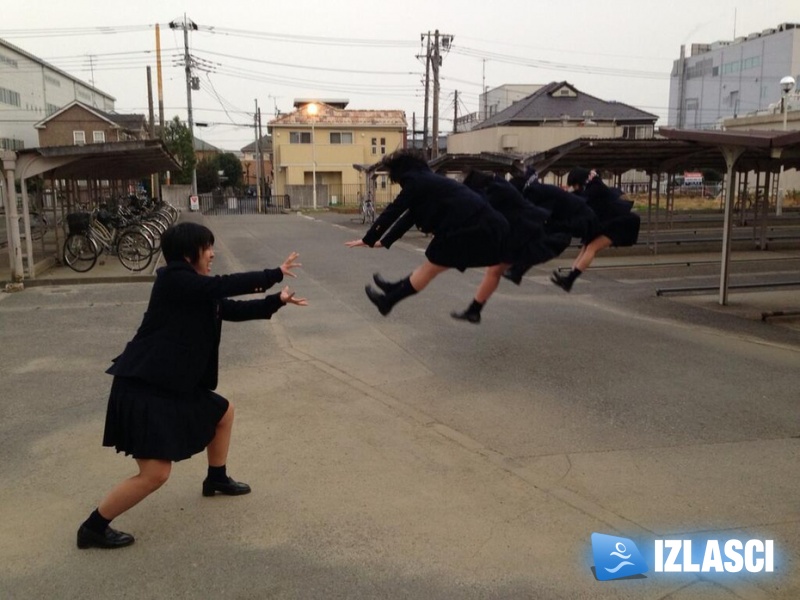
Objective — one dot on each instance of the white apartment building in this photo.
(31, 90)
(735, 78)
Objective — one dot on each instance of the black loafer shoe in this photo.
(472, 317)
(562, 282)
(110, 538)
(384, 285)
(378, 300)
(229, 488)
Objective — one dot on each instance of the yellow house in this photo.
(321, 141)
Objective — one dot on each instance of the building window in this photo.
(383, 145)
(52, 80)
(637, 132)
(299, 137)
(374, 146)
(98, 137)
(79, 138)
(11, 144)
(49, 109)
(383, 182)
(9, 97)
(341, 137)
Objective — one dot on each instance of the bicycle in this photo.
(367, 210)
(88, 237)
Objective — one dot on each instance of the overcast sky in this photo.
(366, 51)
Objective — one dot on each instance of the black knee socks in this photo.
(573, 275)
(218, 474)
(403, 290)
(96, 522)
(475, 307)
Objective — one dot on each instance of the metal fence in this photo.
(213, 204)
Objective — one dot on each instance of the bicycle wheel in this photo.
(80, 252)
(134, 250)
(363, 213)
(371, 213)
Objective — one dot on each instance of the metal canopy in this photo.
(485, 161)
(763, 151)
(111, 160)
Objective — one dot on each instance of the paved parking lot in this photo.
(414, 456)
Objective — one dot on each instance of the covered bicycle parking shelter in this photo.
(734, 153)
(114, 162)
(763, 152)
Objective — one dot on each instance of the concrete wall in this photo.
(525, 140)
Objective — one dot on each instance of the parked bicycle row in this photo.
(131, 233)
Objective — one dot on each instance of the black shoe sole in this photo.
(475, 319)
(211, 490)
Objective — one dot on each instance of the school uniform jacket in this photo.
(177, 345)
(434, 203)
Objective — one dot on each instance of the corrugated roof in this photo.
(546, 104)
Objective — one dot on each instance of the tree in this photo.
(207, 175)
(179, 142)
(231, 168)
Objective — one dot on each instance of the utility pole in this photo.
(191, 83)
(435, 125)
(440, 41)
(160, 83)
(427, 93)
(455, 113)
(262, 174)
(258, 159)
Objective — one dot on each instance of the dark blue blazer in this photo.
(177, 344)
(434, 203)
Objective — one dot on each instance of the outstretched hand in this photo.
(288, 297)
(360, 243)
(289, 264)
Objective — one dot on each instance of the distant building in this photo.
(326, 145)
(734, 78)
(77, 124)
(249, 158)
(494, 101)
(32, 90)
(552, 115)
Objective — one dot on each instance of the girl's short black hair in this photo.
(185, 240)
(402, 161)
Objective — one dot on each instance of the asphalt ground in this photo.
(414, 456)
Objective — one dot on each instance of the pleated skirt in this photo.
(480, 242)
(149, 422)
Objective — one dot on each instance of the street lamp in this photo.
(312, 110)
(787, 85)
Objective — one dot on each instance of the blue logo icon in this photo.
(616, 557)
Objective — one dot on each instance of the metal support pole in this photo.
(731, 155)
(314, 163)
(14, 244)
